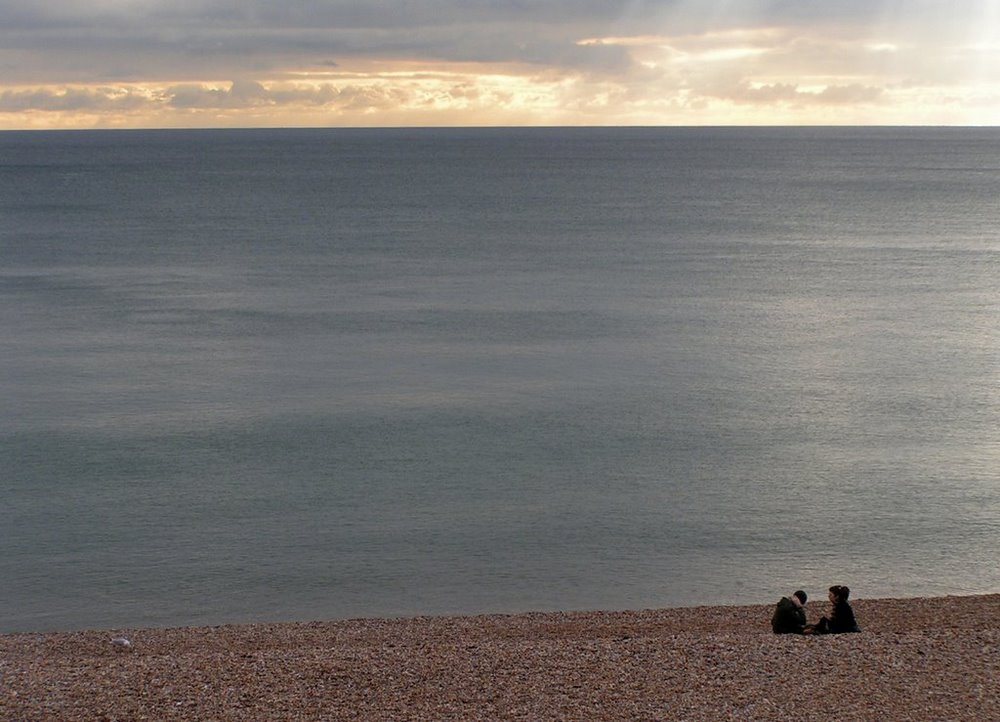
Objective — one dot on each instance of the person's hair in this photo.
(840, 592)
(801, 595)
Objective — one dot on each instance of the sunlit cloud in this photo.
(69, 63)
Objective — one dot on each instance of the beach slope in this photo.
(917, 659)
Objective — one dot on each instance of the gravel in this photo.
(917, 659)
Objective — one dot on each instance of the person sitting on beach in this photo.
(790, 614)
(841, 619)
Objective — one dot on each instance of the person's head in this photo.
(839, 593)
(801, 596)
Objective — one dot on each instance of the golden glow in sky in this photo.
(218, 63)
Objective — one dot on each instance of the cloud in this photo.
(744, 92)
(62, 40)
(244, 94)
(537, 61)
(290, 14)
(168, 44)
(101, 99)
(241, 94)
(855, 93)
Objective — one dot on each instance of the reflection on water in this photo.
(312, 374)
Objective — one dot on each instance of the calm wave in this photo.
(276, 375)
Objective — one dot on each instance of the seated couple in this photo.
(790, 615)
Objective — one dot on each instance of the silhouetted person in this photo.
(841, 619)
(790, 614)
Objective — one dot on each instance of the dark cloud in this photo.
(66, 41)
(248, 15)
(60, 40)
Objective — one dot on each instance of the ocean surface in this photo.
(265, 375)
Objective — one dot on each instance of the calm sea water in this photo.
(289, 375)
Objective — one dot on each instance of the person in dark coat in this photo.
(790, 614)
(841, 619)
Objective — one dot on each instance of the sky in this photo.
(290, 63)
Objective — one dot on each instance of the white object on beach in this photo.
(122, 642)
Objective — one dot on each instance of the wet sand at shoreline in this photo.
(916, 659)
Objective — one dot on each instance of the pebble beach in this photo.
(916, 659)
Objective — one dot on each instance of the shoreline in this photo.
(916, 659)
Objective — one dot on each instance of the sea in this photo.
(315, 374)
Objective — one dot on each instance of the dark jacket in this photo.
(789, 618)
(842, 619)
